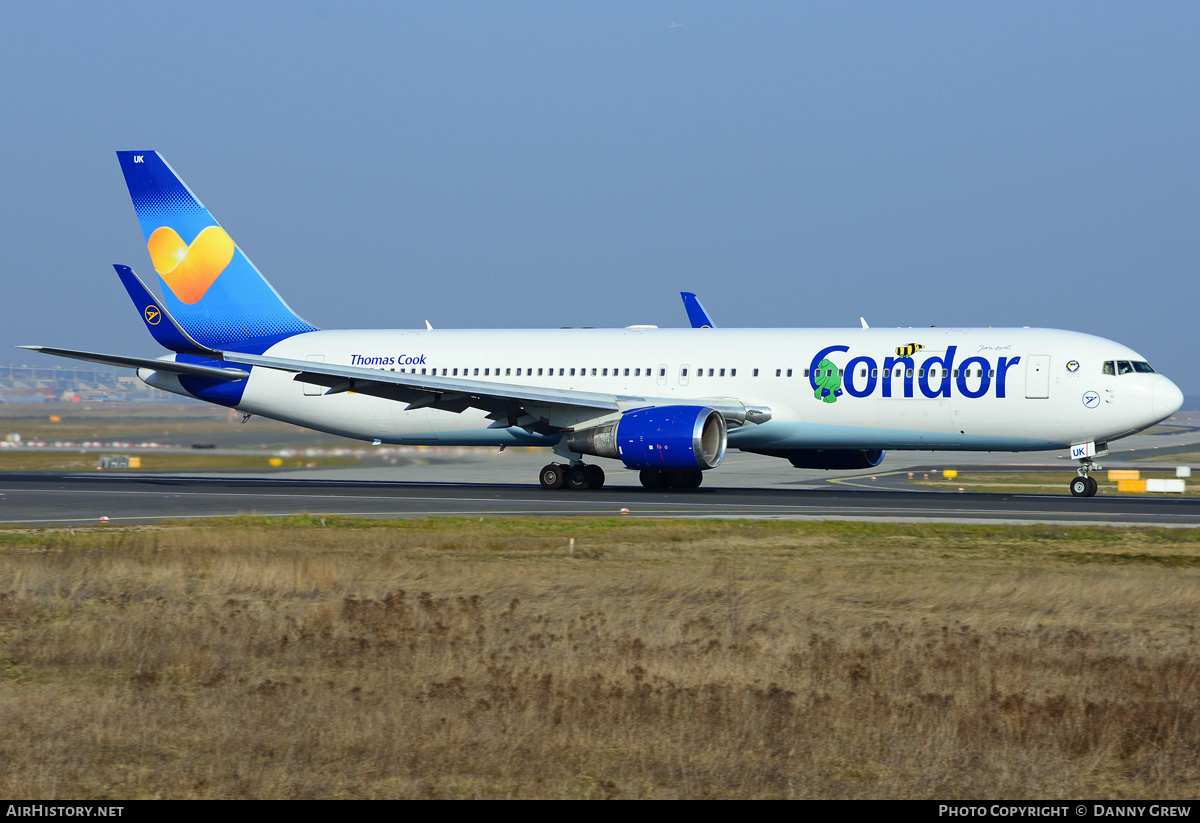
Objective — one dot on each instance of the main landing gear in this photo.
(582, 477)
(1084, 485)
(579, 477)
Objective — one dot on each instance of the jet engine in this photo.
(665, 438)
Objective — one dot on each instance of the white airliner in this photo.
(667, 402)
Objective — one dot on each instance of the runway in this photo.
(77, 499)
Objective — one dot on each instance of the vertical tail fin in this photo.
(209, 285)
(697, 316)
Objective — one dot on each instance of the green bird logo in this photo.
(829, 382)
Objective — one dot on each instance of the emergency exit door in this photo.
(1037, 376)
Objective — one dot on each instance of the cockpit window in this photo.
(1124, 367)
(1142, 367)
(1110, 367)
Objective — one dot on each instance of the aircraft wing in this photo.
(538, 408)
(214, 372)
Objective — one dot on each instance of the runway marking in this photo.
(849, 481)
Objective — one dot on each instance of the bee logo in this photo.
(909, 350)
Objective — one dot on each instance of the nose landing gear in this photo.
(1085, 485)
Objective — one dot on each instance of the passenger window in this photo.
(806, 373)
(486, 372)
(661, 372)
(518, 372)
(841, 372)
(779, 372)
(874, 372)
(604, 373)
(477, 372)
(637, 372)
(920, 372)
(540, 372)
(756, 372)
(593, 372)
(862, 373)
(560, 372)
(456, 372)
(908, 373)
(733, 372)
(422, 371)
(722, 374)
(789, 372)
(991, 372)
(572, 372)
(683, 372)
(627, 372)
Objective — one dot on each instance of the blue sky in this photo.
(569, 164)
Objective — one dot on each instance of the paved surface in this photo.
(81, 499)
(481, 482)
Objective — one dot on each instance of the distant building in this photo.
(87, 382)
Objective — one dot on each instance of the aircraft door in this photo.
(415, 426)
(1037, 376)
(662, 374)
(312, 389)
(683, 374)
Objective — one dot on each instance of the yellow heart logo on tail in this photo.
(189, 271)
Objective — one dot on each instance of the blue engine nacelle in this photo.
(827, 458)
(667, 438)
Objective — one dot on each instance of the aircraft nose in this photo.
(1166, 398)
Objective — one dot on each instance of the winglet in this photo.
(863, 320)
(165, 330)
(697, 316)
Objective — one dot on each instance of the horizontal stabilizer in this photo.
(212, 372)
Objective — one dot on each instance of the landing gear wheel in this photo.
(553, 476)
(694, 480)
(652, 479)
(1081, 487)
(595, 477)
(579, 478)
(1093, 487)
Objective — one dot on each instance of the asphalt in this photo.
(485, 483)
(46, 499)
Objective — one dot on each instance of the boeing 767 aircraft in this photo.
(667, 402)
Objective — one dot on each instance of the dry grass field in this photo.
(443, 658)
